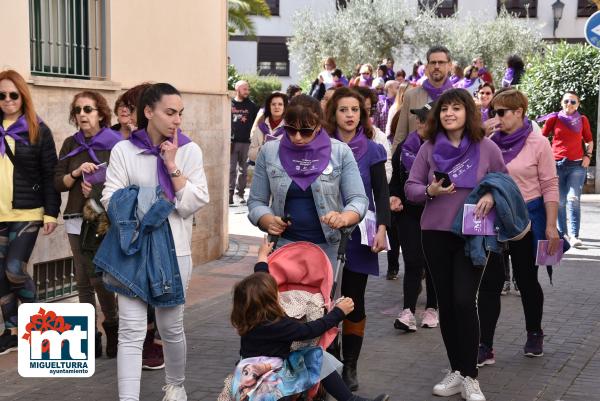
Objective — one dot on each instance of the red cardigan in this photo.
(566, 143)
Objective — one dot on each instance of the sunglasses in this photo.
(304, 131)
(11, 95)
(567, 101)
(86, 109)
(498, 112)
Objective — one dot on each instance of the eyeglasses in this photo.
(11, 95)
(86, 109)
(304, 131)
(440, 63)
(499, 112)
(566, 101)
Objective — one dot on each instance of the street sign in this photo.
(592, 30)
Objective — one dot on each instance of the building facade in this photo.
(109, 46)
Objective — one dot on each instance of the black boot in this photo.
(380, 397)
(98, 344)
(351, 345)
(112, 338)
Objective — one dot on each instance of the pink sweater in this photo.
(534, 169)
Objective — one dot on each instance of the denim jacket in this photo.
(137, 255)
(512, 219)
(338, 188)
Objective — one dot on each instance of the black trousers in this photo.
(456, 283)
(394, 253)
(354, 286)
(488, 301)
(408, 227)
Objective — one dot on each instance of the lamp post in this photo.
(557, 10)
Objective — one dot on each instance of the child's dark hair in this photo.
(150, 97)
(255, 301)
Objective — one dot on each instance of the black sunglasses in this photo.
(499, 112)
(86, 109)
(304, 131)
(11, 95)
(567, 101)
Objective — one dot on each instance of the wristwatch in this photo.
(176, 173)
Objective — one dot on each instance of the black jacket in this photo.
(399, 177)
(33, 175)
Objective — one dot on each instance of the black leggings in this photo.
(456, 283)
(336, 387)
(409, 233)
(394, 252)
(488, 301)
(354, 286)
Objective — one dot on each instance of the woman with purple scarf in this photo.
(82, 164)
(347, 120)
(271, 128)
(530, 163)
(456, 148)
(470, 82)
(484, 97)
(515, 68)
(569, 130)
(28, 201)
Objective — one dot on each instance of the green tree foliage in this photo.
(239, 13)
(261, 87)
(563, 67)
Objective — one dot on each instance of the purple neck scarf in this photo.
(141, 139)
(485, 114)
(464, 83)
(454, 79)
(509, 75)
(572, 121)
(18, 127)
(482, 71)
(410, 148)
(460, 163)
(267, 132)
(512, 144)
(305, 163)
(433, 92)
(358, 144)
(105, 139)
(365, 82)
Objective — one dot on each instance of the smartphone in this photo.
(443, 176)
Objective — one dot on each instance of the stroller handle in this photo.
(343, 242)
(275, 238)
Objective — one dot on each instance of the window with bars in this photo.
(273, 6)
(586, 8)
(68, 38)
(273, 57)
(446, 8)
(55, 279)
(520, 8)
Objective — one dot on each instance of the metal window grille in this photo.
(520, 8)
(273, 57)
(68, 38)
(585, 8)
(55, 279)
(445, 8)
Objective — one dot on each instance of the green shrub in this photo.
(564, 67)
(232, 77)
(261, 87)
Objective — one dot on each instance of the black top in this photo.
(397, 182)
(381, 194)
(243, 115)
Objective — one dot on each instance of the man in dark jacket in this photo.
(243, 113)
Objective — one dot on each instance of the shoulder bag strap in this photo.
(23, 171)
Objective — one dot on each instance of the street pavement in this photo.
(404, 365)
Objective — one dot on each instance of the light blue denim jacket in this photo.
(339, 188)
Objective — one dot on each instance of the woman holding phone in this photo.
(456, 148)
(84, 153)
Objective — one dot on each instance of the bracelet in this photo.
(588, 155)
(72, 176)
(427, 192)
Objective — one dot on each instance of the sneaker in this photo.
(392, 275)
(486, 356)
(576, 242)
(406, 321)
(174, 393)
(505, 288)
(534, 346)
(8, 342)
(153, 358)
(429, 318)
(471, 391)
(450, 385)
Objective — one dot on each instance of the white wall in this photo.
(243, 55)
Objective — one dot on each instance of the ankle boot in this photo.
(352, 339)
(380, 397)
(98, 344)
(112, 338)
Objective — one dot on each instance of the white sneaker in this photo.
(406, 321)
(450, 385)
(471, 391)
(576, 242)
(429, 318)
(174, 393)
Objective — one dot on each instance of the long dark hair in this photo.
(255, 301)
(331, 108)
(152, 95)
(473, 115)
(303, 111)
(269, 99)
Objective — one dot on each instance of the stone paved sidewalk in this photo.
(404, 365)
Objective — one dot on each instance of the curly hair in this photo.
(104, 112)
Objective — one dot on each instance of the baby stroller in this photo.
(306, 283)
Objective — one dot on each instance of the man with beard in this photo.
(437, 82)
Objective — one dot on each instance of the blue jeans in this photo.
(571, 177)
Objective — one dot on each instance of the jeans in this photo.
(132, 332)
(571, 178)
(238, 157)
